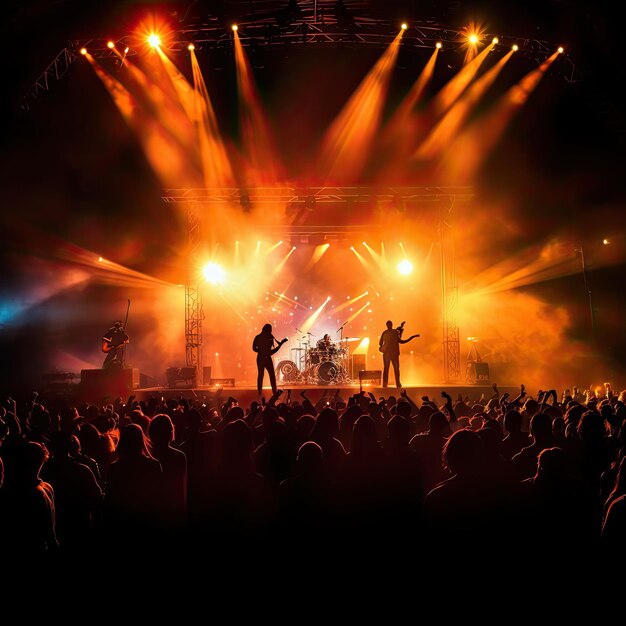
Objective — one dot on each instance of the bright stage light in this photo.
(515, 47)
(560, 50)
(191, 47)
(438, 45)
(83, 51)
(495, 40)
(126, 49)
(235, 27)
(473, 39)
(405, 267)
(213, 273)
(154, 40)
(110, 45)
(404, 26)
(606, 242)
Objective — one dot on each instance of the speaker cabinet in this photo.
(181, 377)
(100, 383)
(477, 372)
(358, 365)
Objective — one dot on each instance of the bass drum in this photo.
(287, 371)
(327, 372)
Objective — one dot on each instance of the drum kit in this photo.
(323, 364)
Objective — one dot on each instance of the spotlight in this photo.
(515, 47)
(191, 47)
(606, 242)
(438, 45)
(560, 50)
(110, 45)
(235, 27)
(126, 49)
(83, 51)
(404, 26)
(213, 273)
(473, 39)
(154, 40)
(495, 40)
(405, 267)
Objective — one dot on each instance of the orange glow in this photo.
(405, 267)
(477, 140)
(348, 303)
(262, 164)
(448, 127)
(284, 260)
(191, 47)
(308, 323)
(213, 273)
(154, 40)
(110, 45)
(83, 51)
(347, 142)
(235, 27)
(404, 26)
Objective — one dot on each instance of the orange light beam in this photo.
(348, 303)
(534, 265)
(318, 253)
(447, 128)
(477, 141)
(361, 258)
(346, 144)
(263, 164)
(167, 156)
(284, 260)
(308, 323)
(276, 245)
(287, 299)
(216, 164)
(357, 313)
(395, 129)
(377, 257)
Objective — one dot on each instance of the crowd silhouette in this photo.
(442, 477)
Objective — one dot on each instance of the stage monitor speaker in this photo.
(181, 377)
(206, 374)
(109, 382)
(221, 382)
(374, 376)
(358, 364)
(477, 372)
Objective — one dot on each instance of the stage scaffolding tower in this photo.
(194, 314)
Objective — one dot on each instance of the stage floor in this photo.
(245, 394)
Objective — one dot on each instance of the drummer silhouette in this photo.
(325, 343)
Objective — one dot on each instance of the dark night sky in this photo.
(53, 170)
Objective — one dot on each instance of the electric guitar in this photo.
(108, 346)
(277, 348)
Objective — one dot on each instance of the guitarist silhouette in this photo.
(113, 343)
(389, 345)
(263, 345)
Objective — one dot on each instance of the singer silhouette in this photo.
(389, 345)
(263, 345)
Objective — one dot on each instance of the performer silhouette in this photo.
(113, 343)
(389, 345)
(263, 345)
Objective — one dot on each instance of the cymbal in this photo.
(352, 339)
(298, 348)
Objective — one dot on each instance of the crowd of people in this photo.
(532, 473)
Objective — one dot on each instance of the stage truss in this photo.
(310, 28)
(198, 200)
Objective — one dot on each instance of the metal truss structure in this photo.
(346, 198)
(194, 314)
(309, 28)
